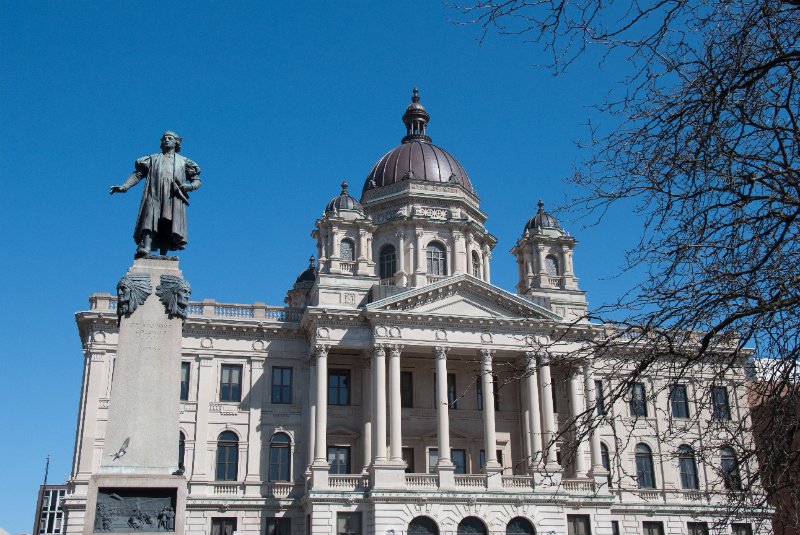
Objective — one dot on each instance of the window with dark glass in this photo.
(520, 526)
(606, 460)
(437, 259)
(227, 456)
(479, 393)
(279, 526)
(551, 265)
(730, 469)
(459, 458)
(599, 398)
(339, 459)
(476, 265)
(433, 459)
(653, 528)
(615, 527)
(482, 458)
(741, 529)
(185, 368)
(223, 526)
(230, 383)
(51, 514)
(471, 526)
(687, 467)
(423, 525)
(346, 250)
(348, 523)
(679, 401)
(279, 457)
(408, 457)
(578, 525)
(339, 387)
(697, 528)
(387, 262)
(638, 400)
(281, 385)
(181, 449)
(645, 473)
(720, 406)
(406, 390)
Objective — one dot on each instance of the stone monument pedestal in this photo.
(135, 490)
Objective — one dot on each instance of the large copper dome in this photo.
(416, 158)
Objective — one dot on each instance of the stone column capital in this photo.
(378, 350)
(486, 355)
(394, 349)
(321, 350)
(441, 352)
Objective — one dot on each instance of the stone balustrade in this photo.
(348, 481)
(422, 481)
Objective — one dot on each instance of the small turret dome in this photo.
(309, 275)
(344, 201)
(416, 158)
(541, 220)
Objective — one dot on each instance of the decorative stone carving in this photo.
(486, 338)
(441, 334)
(323, 332)
(174, 294)
(132, 290)
(126, 510)
(206, 343)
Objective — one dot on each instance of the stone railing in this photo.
(228, 490)
(388, 282)
(578, 485)
(434, 278)
(227, 409)
(554, 281)
(518, 482)
(347, 267)
(280, 489)
(422, 481)
(471, 480)
(209, 308)
(348, 481)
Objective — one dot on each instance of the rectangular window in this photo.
(230, 383)
(408, 457)
(615, 527)
(279, 526)
(433, 459)
(721, 409)
(578, 525)
(223, 526)
(348, 523)
(482, 458)
(185, 367)
(339, 459)
(406, 390)
(599, 399)
(339, 387)
(638, 400)
(653, 528)
(679, 401)
(459, 460)
(741, 529)
(281, 385)
(697, 528)
(451, 391)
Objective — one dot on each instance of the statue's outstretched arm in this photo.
(131, 181)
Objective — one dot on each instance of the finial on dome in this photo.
(541, 205)
(344, 186)
(416, 119)
(311, 262)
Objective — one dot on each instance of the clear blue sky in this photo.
(278, 103)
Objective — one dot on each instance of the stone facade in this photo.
(402, 392)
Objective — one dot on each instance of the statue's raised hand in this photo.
(117, 189)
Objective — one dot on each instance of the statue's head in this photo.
(174, 294)
(132, 291)
(171, 137)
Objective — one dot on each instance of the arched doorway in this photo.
(422, 525)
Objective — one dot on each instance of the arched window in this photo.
(730, 469)
(181, 449)
(422, 525)
(471, 525)
(227, 456)
(551, 265)
(520, 526)
(437, 259)
(279, 454)
(387, 262)
(476, 265)
(645, 474)
(606, 460)
(687, 467)
(346, 250)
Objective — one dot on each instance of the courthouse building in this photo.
(400, 391)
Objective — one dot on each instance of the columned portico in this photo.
(320, 466)
(395, 415)
(493, 468)
(379, 403)
(388, 471)
(534, 412)
(445, 466)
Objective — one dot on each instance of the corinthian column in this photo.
(493, 468)
(379, 403)
(594, 433)
(575, 385)
(445, 467)
(532, 384)
(395, 414)
(320, 466)
(547, 414)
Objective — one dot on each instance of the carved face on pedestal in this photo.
(174, 294)
(132, 291)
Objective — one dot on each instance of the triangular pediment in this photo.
(465, 296)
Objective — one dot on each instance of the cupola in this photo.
(298, 295)
(344, 203)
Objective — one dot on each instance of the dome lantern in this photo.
(416, 119)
